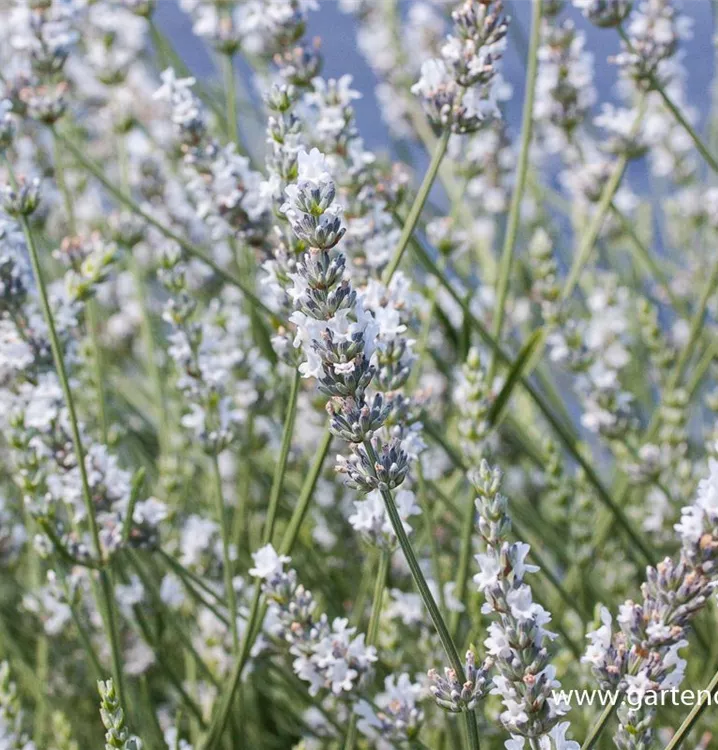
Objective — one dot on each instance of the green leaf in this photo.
(521, 364)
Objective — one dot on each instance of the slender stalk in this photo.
(417, 206)
(372, 630)
(305, 496)
(696, 327)
(230, 93)
(281, 466)
(425, 592)
(257, 609)
(105, 601)
(428, 515)
(93, 326)
(598, 727)
(708, 695)
(226, 557)
(588, 240)
(462, 575)
(98, 173)
(512, 225)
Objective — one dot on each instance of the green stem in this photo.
(97, 172)
(257, 610)
(281, 467)
(428, 514)
(372, 631)
(93, 325)
(512, 225)
(226, 557)
(417, 206)
(425, 592)
(598, 727)
(709, 694)
(230, 92)
(305, 496)
(105, 603)
(696, 327)
(462, 575)
(588, 240)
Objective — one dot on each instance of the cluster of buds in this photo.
(545, 288)
(225, 190)
(474, 397)
(661, 352)
(113, 718)
(314, 216)
(458, 89)
(565, 92)
(21, 199)
(203, 363)
(454, 696)
(397, 717)
(7, 125)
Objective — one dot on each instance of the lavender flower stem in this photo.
(230, 91)
(695, 714)
(226, 557)
(426, 595)
(507, 254)
(300, 510)
(467, 532)
(281, 467)
(105, 600)
(418, 205)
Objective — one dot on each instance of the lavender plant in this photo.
(274, 388)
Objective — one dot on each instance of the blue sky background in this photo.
(337, 31)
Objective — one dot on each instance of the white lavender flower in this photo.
(642, 655)
(396, 715)
(459, 89)
(327, 655)
(517, 640)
